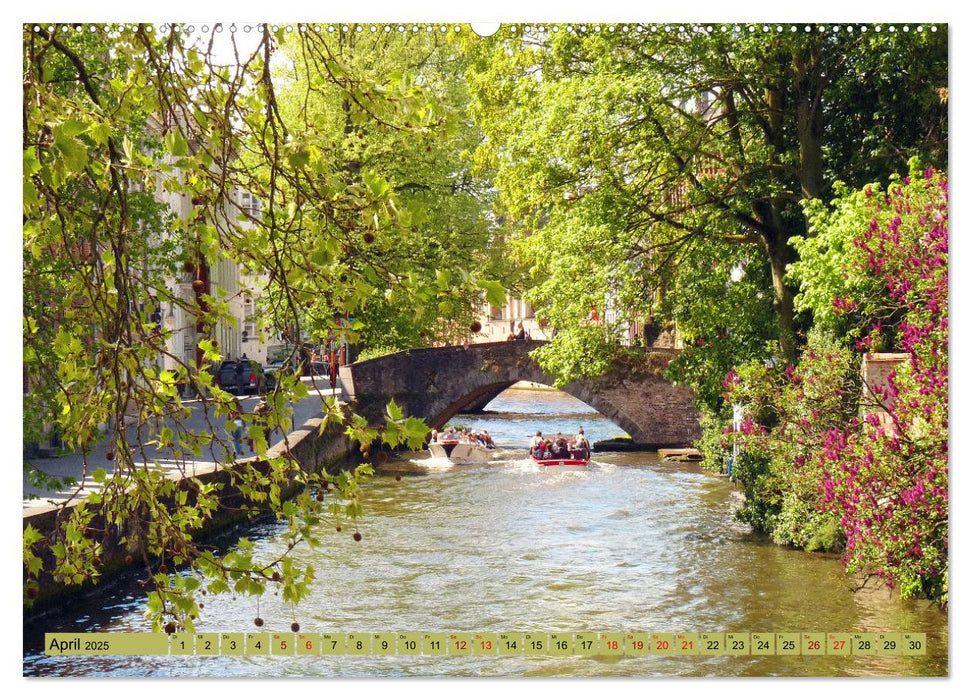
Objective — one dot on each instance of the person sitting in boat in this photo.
(537, 438)
(487, 440)
(580, 438)
(540, 450)
(434, 436)
(450, 434)
(580, 448)
(559, 448)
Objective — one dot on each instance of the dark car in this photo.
(270, 371)
(241, 377)
(290, 366)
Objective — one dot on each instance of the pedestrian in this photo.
(333, 371)
(237, 434)
(241, 367)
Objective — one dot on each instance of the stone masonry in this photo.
(436, 383)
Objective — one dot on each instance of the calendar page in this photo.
(369, 349)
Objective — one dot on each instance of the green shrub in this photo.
(375, 351)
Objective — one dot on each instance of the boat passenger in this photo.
(580, 451)
(579, 437)
(487, 440)
(434, 436)
(558, 447)
(538, 438)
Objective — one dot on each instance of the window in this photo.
(251, 205)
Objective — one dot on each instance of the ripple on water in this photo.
(619, 515)
(628, 544)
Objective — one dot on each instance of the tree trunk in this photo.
(771, 213)
(809, 120)
(783, 298)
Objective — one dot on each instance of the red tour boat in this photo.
(559, 451)
(569, 462)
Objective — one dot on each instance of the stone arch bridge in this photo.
(437, 383)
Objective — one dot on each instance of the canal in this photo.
(630, 544)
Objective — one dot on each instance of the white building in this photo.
(224, 281)
(498, 322)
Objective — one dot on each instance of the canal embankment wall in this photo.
(310, 449)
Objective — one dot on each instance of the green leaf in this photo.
(299, 158)
(100, 132)
(72, 127)
(442, 278)
(73, 151)
(32, 535)
(176, 144)
(495, 292)
(209, 351)
(31, 162)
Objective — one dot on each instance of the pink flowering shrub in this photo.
(820, 467)
(887, 479)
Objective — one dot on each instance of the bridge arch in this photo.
(437, 383)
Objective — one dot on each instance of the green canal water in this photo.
(630, 544)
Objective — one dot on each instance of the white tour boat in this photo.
(459, 452)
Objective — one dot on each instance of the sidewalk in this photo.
(72, 465)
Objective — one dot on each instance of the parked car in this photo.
(306, 368)
(241, 377)
(270, 372)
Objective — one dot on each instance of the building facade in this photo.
(500, 322)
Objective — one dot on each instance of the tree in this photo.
(441, 244)
(680, 142)
(106, 111)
